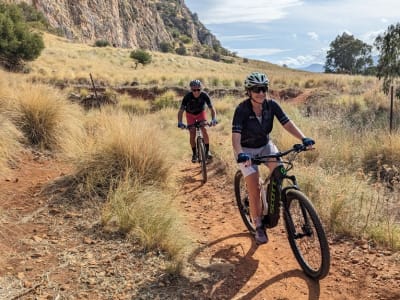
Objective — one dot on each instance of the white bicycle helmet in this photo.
(256, 79)
(195, 83)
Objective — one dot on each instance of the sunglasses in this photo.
(195, 90)
(258, 89)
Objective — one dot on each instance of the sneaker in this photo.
(261, 236)
(194, 158)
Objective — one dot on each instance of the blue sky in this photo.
(292, 32)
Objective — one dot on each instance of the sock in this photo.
(258, 222)
(207, 147)
(194, 151)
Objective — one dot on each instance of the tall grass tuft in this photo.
(149, 216)
(10, 145)
(46, 119)
(119, 147)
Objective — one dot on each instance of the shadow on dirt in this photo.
(223, 269)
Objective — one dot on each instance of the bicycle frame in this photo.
(304, 228)
(200, 146)
(273, 192)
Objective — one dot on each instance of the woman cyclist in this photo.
(194, 103)
(251, 126)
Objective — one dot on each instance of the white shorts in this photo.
(268, 149)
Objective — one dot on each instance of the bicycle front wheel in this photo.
(242, 201)
(201, 154)
(306, 235)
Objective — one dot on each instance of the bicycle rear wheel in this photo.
(306, 235)
(201, 154)
(242, 201)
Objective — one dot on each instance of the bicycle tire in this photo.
(306, 235)
(201, 154)
(242, 201)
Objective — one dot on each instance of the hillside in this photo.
(130, 24)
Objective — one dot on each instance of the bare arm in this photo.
(180, 114)
(294, 130)
(213, 113)
(237, 147)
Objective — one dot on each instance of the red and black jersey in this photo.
(194, 105)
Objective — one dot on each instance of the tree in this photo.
(348, 55)
(388, 44)
(17, 43)
(141, 57)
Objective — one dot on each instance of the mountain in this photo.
(145, 24)
(316, 68)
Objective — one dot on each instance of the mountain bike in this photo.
(200, 147)
(280, 194)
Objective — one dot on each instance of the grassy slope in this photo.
(342, 118)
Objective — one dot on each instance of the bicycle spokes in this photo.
(306, 235)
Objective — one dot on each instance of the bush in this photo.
(166, 47)
(181, 50)
(17, 42)
(101, 43)
(141, 57)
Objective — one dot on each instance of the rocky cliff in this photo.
(127, 23)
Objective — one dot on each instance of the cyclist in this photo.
(251, 125)
(194, 103)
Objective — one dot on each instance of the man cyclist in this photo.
(251, 125)
(194, 104)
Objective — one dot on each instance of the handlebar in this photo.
(297, 148)
(198, 124)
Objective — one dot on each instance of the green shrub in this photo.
(181, 50)
(185, 39)
(168, 99)
(166, 47)
(17, 43)
(101, 43)
(141, 57)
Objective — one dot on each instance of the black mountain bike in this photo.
(200, 147)
(304, 229)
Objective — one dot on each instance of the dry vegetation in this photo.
(119, 152)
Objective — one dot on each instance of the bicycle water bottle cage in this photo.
(274, 197)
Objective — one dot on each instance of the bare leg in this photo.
(192, 132)
(253, 189)
(205, 135)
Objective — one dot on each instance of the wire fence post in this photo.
(391, 109)
(94, 87)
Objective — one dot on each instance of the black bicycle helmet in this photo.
(256, 79)
(195, 83)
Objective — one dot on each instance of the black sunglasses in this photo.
(258, 89)
(195, 90)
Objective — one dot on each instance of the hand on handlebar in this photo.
(308, 142)
(243, 157)
(214, 122)
(181, 125)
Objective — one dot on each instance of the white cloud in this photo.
(313, 35)
(369, 37)
(242, 37)
(234, 11)
(258, 52)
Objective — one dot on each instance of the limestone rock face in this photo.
(124, 23)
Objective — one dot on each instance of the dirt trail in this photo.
(52, 249)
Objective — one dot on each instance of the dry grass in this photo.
(117, 147)
(65, 61)
(148, 215)
(346, 115)
(10, 145)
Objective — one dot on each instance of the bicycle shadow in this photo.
(228, 260)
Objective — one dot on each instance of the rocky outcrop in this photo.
(141, 24)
